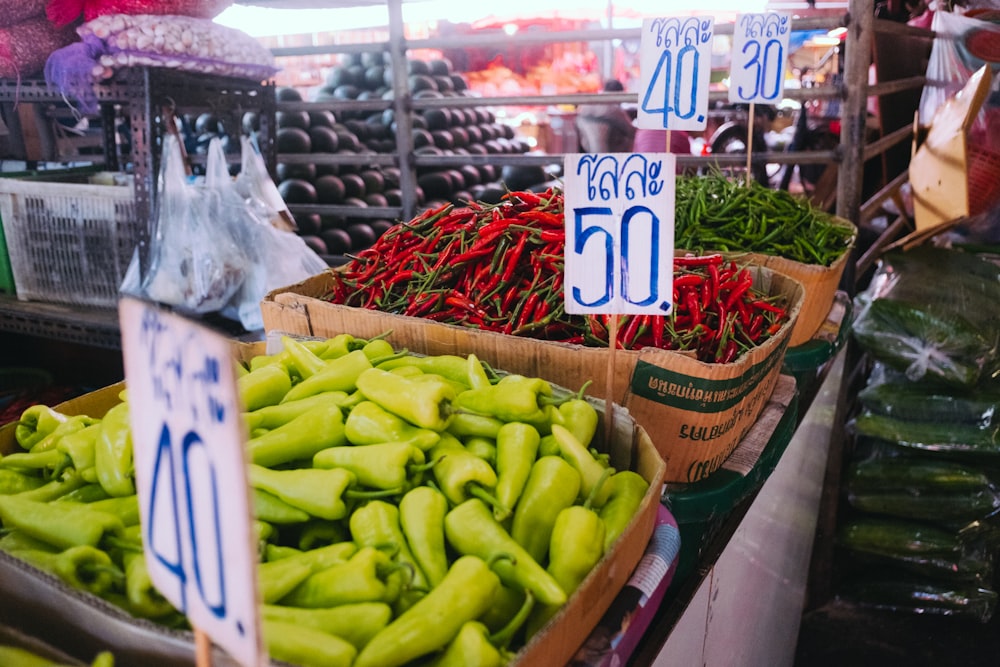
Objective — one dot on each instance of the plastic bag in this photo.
(933, 312)
(920, 596)
(255, 185)
(952, 61)
(195, 263)
(275, 257)
(25, 46)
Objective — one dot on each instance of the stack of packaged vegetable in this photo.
(407, 507)
(923, 534)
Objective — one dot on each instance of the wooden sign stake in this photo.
(202, 649)
(750, 116)
(609, 390)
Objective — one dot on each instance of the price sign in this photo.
(619, 233)
(188, 440)
(760, 49)
(675, 60)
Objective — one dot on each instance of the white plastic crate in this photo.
(69, 241)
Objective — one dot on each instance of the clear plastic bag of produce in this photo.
(918, 547)
(195, 261)
(920, 596)
(933, 313)
(932, 436)
(921, 487)
(899, 398)
(276, 257)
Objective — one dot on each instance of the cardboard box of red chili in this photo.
(42, 605)
(695, 412)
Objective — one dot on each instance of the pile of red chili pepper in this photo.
(499, 267)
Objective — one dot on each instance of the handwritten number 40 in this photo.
(171, 555)
(672, 75)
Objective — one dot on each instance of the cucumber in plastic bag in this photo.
(918, 401)
(930, 436)
(933, 312)
(921, 342)
(916, 547)
(922, 597)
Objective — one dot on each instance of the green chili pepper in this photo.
(68, 482)
(357, 623)
(360, 579)
(306, 646)
(591, 469)
(423, 404)
(467, 424)
(446, 365)
(81, 446)
(83, 567)
(318, 533)
(322, 557)
(471, 530)
(278, 578)
(301, 358)
(18, 540)
(580, 418)
(553, 484)
(388, 465)
(331, 348)
(301, 438)
(626, 489)
(15, 656)
(514, 399)
(376, 524)
(62, 525)
(517, 448)
(125, 508)
(264, 386)
(320, 492)
(71, 425)
(461, 474)
(369, 424)
(86, 494)
(12, 481)
(272, 509)
(421, 516)
(484, 448)
(51, 460)
(476, 376)
(378, 349)
(471, 646)
(465, 593)
(273, 416)
(113, 452)
(474, 644)
(340, 374)
(35, 423)
(576, 546)
(144, 599)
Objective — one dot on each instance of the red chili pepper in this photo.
(691, 303)
(513, 258)
(696, 260)
(688, 280)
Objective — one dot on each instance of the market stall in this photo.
(434, 322)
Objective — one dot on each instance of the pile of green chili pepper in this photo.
(409, 509)
(500, 268)
(715, 213)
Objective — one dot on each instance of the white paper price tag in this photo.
(760, 50)
(675, 61)
(188, 440)
(619, 233)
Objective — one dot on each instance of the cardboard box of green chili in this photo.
(695, 412)
(82, 623)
